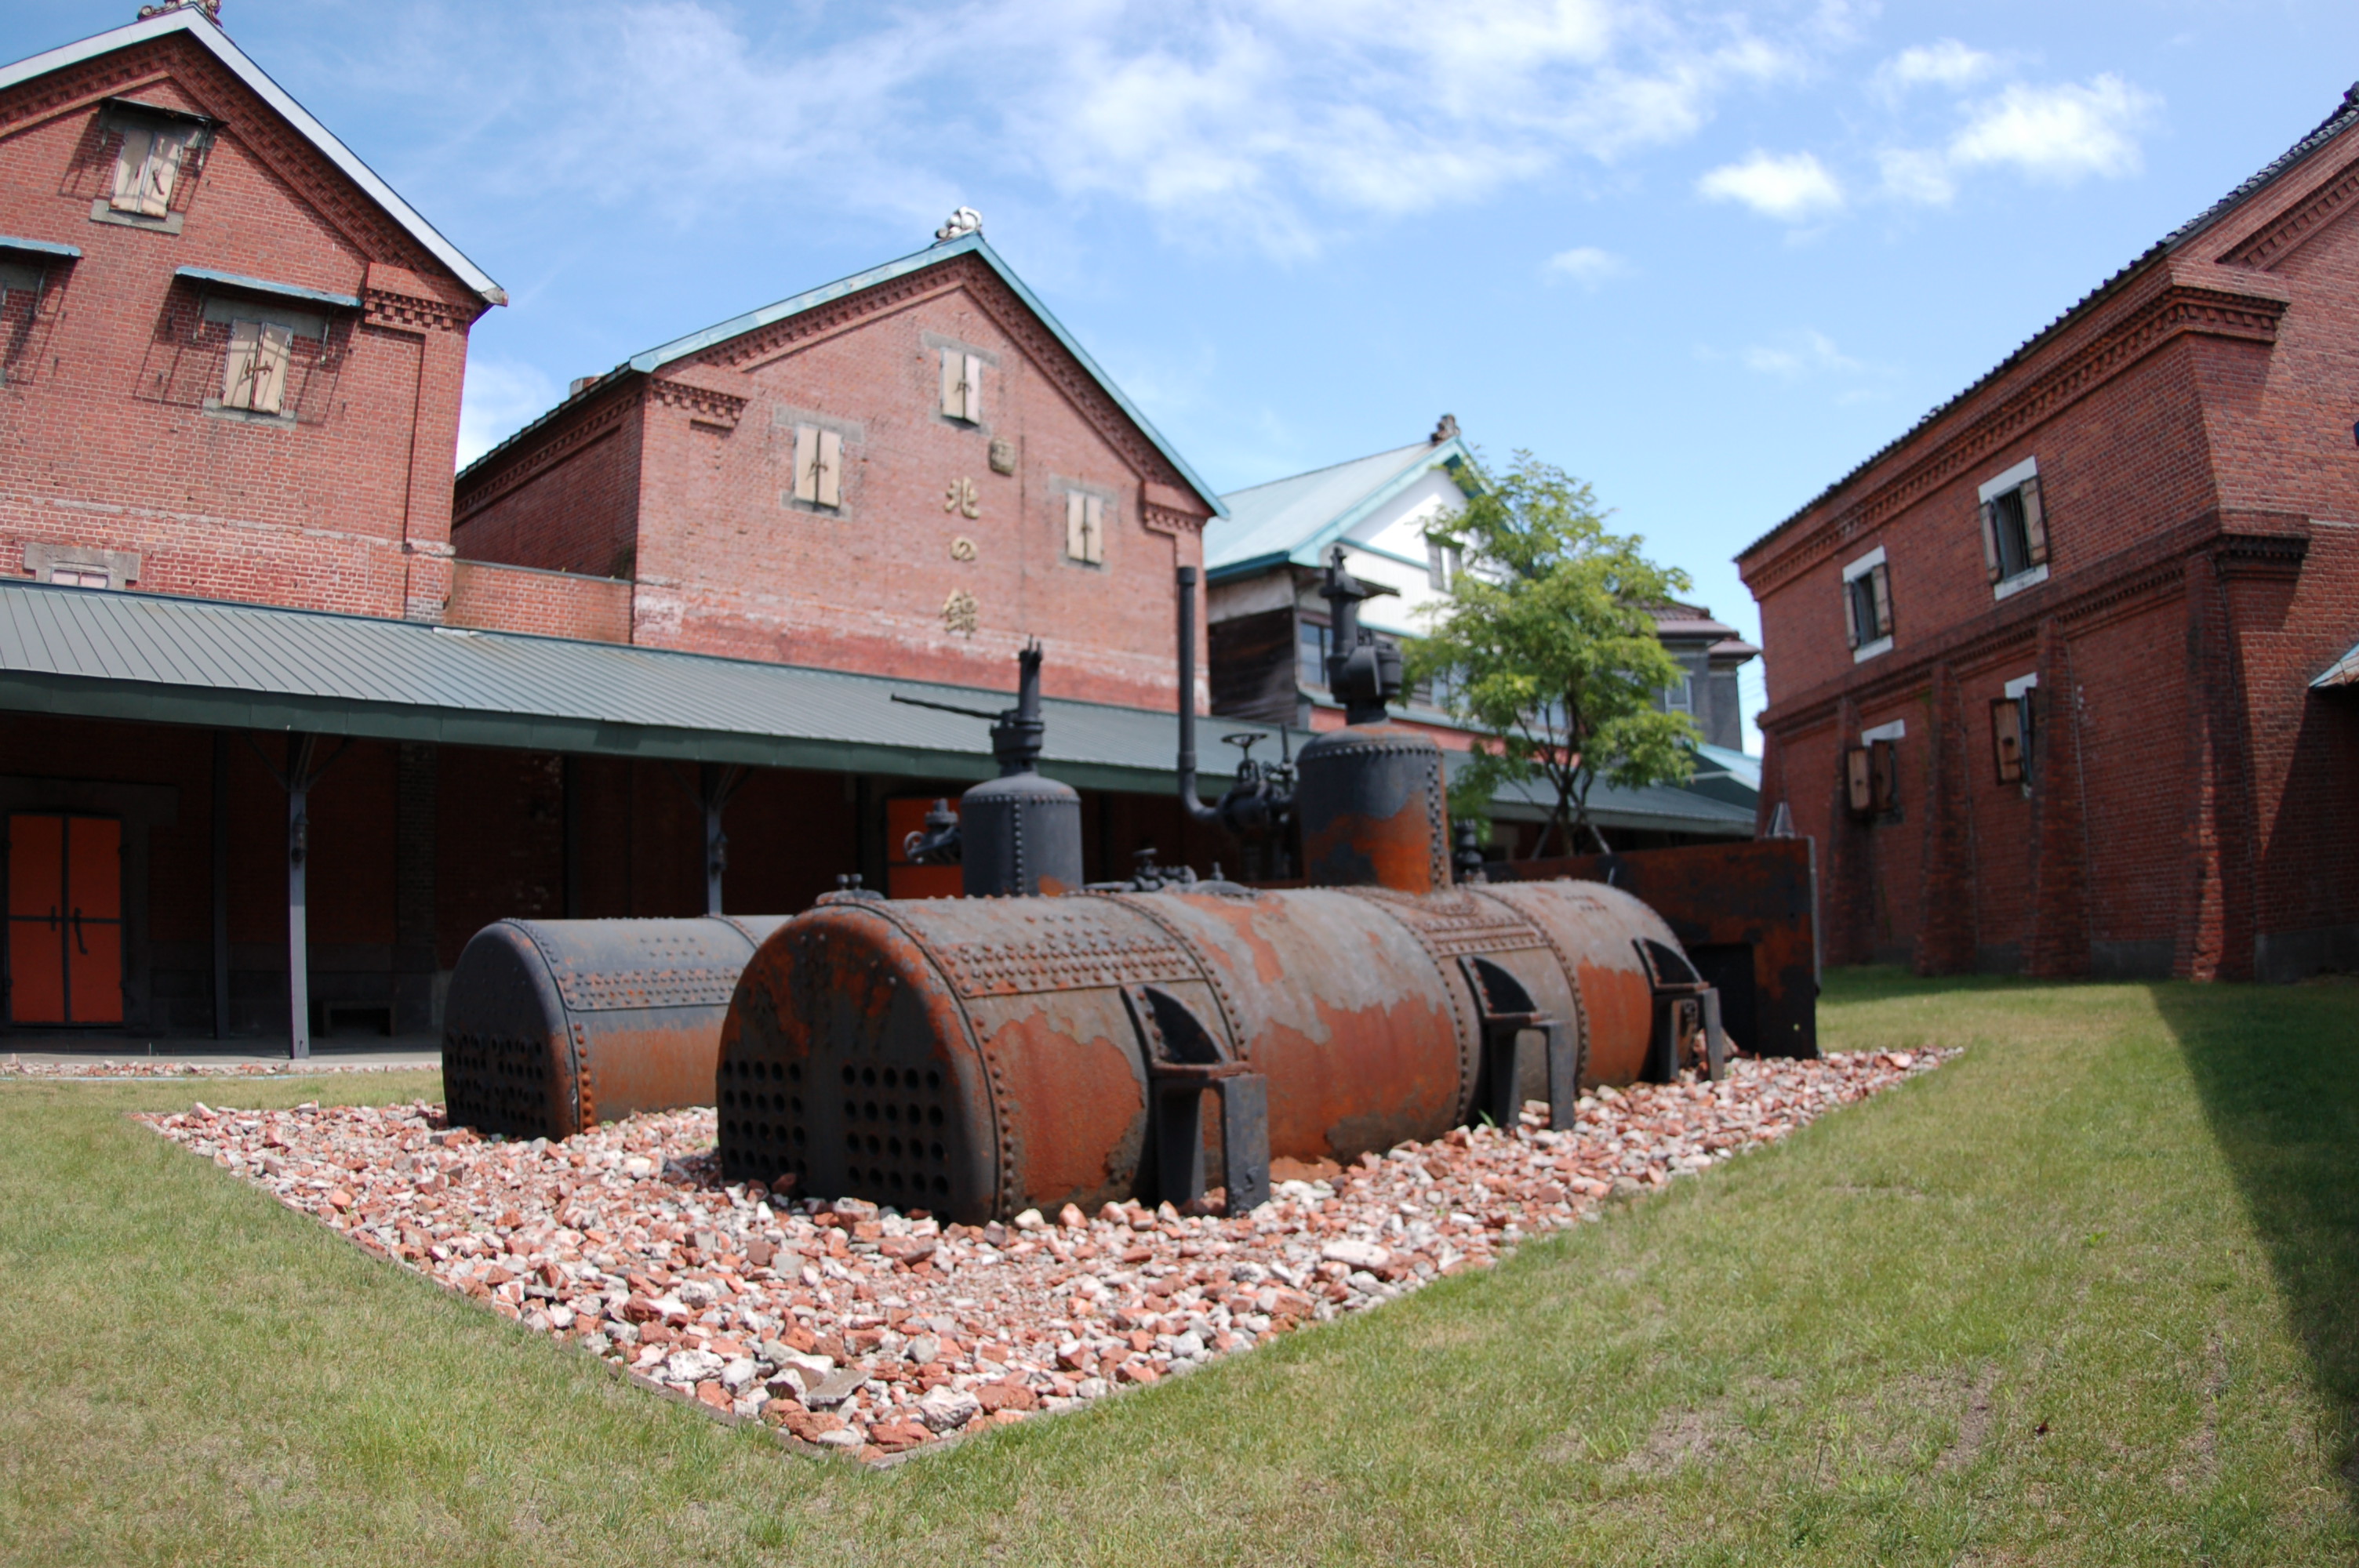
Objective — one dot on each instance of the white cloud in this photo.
(2060, 133)
(1266, 123)
(1797, 354)
(502, 396)
(1793, 189)
(1947, 63)
(1923, 178)
(1586, 265)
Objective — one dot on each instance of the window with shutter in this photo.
(830, 475)
(2015, 529)
(1077, 542)
(147, 169)
(962, 385)
(807, 464)
(254, 371)
(2007, 738)
(1867, 605)
(2035, 523)
(1859, 783)
(1093, 530)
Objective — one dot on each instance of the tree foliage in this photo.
(1547, 645)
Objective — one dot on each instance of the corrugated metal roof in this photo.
(94, 653)
(2345, 115)
(1296, 518)
(192, 21)
(97, 653)
(655, 359)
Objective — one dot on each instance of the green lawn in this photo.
(2084, 1295)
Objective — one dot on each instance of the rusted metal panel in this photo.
(1373, 810)
(1745, 914)
(552, 1026)
(979, 1057)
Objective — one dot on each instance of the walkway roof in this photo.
(96, 654)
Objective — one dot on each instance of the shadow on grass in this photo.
(2277, 1070)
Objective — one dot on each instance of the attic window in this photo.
(1084, 528)
(1867, 606)
(157, 152)
(962, 386)
(819, 467)
(2015, 529)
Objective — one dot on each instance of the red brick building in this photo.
(270, 754)
(2050, 674)
(907, 472)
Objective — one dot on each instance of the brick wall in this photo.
(525, 598)
(2190, 804)
(104, 443)
(689, 476)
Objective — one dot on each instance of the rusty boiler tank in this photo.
(552, 1026)
(985, 1056)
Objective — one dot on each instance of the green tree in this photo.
(1548, 644)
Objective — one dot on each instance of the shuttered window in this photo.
(254, 373)
(2014, 527)
(1084, 528)
(147, 169)
(1867, 605)
(962, 385)
(819, 466)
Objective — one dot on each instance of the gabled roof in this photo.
(1295, 519)
(192, 21)
(2345, 115)
(655, 359)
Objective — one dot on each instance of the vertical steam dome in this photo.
(1019, 834)
(1371, 797)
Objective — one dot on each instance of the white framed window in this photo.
(1310, 652)
(1867, 606)
(147, 168)
(1680, 695)
(962, 385)
(1443, 562)
(1084, 528)
(80, 576)
(2015, 529)
(819, 467)
(2012, 718)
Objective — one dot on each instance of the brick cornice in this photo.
(604, 415)
(408, 313)
(1170, 520)
(2281, 234)
(701, 403)
(2241, 544)
(2177, 309)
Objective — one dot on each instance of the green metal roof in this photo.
(1296, 518)
(96, 654)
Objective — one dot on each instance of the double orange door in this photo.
(65, 919)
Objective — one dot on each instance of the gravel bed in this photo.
(863, 1330)
(164, 1068)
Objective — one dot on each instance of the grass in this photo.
(2085, 1295)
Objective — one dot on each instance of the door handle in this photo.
(79, 946)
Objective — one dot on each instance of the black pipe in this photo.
(1188, 796)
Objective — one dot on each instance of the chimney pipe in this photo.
(1188, 796)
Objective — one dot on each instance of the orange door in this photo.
(65, 920)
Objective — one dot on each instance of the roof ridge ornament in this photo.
(963, 221)
(210, 9)
(1445, 429)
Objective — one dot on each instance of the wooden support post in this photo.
(569, 786)
(299, 852)
(221, 883)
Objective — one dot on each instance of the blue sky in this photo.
(1706, 256)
